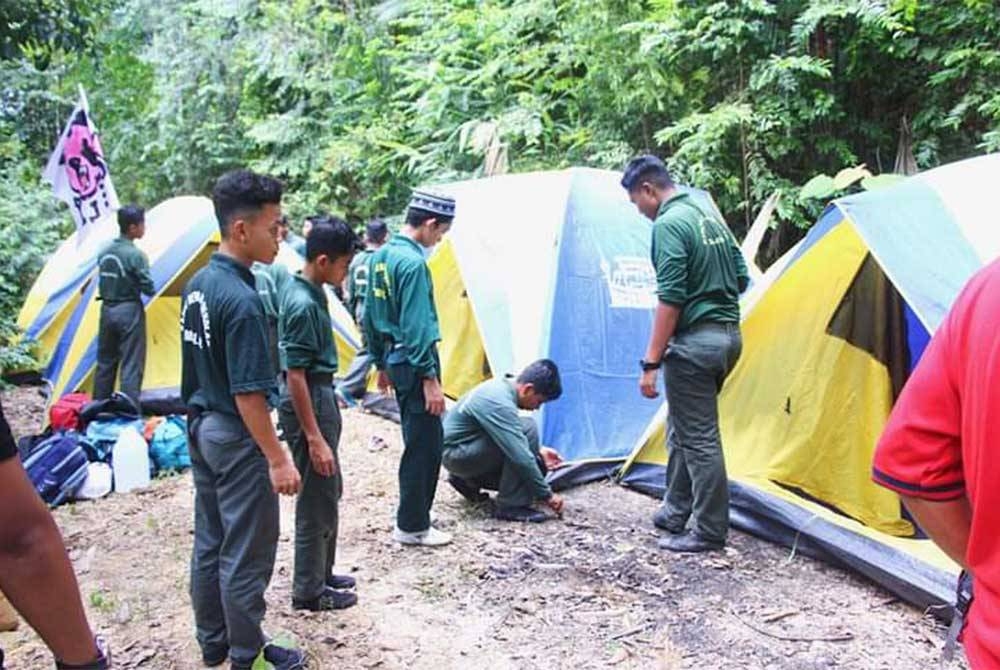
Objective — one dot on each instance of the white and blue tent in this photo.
(553, 265)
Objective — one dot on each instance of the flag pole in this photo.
(83, 98)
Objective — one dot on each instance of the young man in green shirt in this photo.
(376, 232)
(700, 274)
(270, 281)
(401, 330)
(310, 415)
(238, 465)
(489, 445)
(123, 278)
(291, 238)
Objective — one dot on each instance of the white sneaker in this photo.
(432, 537)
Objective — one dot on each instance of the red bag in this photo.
(65, 412)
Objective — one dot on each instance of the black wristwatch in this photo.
(649, 367)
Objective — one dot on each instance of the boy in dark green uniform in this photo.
(700, 274)
(489, 445)
(357, 274)
(123, 279)
(355, 380)
(270, 281)
(310, 415)
(238, 465)
(289, 237)
(401, 329)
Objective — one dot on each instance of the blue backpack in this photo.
(103, 433)
(57, 467)
(169, 446)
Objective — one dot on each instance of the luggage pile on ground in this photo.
(94, 447)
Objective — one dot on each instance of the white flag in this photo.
(79, 173)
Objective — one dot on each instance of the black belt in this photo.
(728, 326)
(313, 377)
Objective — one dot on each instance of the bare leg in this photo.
(35, 572)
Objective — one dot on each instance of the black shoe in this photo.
(690, 542)
(328, 600)
(523, 514)
(467, 490)
(283, 658)
(661, 522)
(341, 582)
(214, 657)
(102, 662)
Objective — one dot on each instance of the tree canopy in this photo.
(352, 102)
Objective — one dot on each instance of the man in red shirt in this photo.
(937, 451)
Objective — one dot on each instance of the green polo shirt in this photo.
(270, 281)
(699, 266)
(400, 318)
(357, 283)
(224, 345)
(304, 330)
(490, 410)
(123, 272)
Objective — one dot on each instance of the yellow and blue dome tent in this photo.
(61, 312)
(827, 348)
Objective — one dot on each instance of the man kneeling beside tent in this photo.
(488, 445)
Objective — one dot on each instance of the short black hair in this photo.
(331, 237)
(241, 192)
(646, 168)
(416, 217)
(130, 215)
(543, 375)
(376, 231)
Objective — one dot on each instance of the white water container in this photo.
(130, 461)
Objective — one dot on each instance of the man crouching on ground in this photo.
(488, 445)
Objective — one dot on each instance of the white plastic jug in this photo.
(130, 461)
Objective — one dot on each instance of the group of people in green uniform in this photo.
(256, 338)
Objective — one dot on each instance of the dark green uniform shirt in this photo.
(357, 284)
(224, 346)
(124, 272)
(490, 410)
(304, 328)
(270, 281)
(699, 266)
(400, 317)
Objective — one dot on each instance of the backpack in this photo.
(27, 444)
(169, 446)
(118, 405)
(65, 412)
(103, 433)
(57, 467)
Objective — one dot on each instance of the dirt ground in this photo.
(591, 591)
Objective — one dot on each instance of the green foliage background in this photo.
(354, 102)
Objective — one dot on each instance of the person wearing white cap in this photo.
(401, 329)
